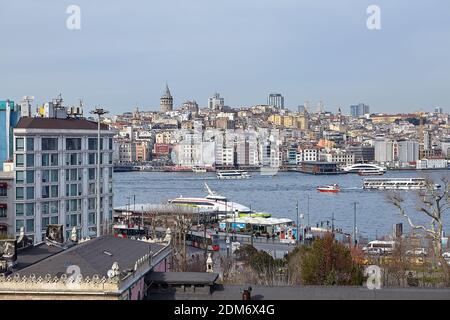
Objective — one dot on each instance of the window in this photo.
(45, 176)
(54, 207)
(92, 157)
(45, 192)
(30, 225)
(30, 144)
(45, 208)
(54, 191)
(3, 190)
(45, 159)
(45, 223)
(30, 193)
(30, 160)
(54, 175)
(54, 159)
(19, 209)
(91, 204)
(54, 220)
(19, 160)
(110, 143)
(19, 144)
(91, 219)
(92, 143)
(91, 173)
(3, 211)
(20, 177)
(19, 193)
(29, 209)
(73, 144)
(30, 176)
(19, 225)
(49, 144)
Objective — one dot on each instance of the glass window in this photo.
(30, 160)
(45, 176)
(45, 223)
(19, 144)
(30, 193)
(20, 177)
(92, 157)
(73, 143)
(19, 193)
(29, 209)
(3, 212)
(30, 225)
(45, 159)
(45, 208)
(91, 173)
(110, 143)
(91, 218)
(54, 175)
(54, 191)
(19, 160)
(54, 159)
(45, 192)
(92, 143)
(54, 220)
(19, 209)
(91, 204)
(30, 144)
(54, 207)
(30, 176)
(19, 225)
(3, 191)
(49, 144)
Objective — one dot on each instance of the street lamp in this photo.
(99, 112)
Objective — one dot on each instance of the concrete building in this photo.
(166, 101)
(216, 102)
(6, 203)
(359, 110)
(408, 151)
(431, 163)
(363, 154)
(9, 116)
(275, 100)
(55, 175)
(384, 150)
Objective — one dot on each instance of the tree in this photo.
(326, 262)
(433, 203)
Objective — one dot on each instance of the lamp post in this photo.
(99, 112)
(355, 241)
(297, 237)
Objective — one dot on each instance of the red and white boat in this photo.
(332, 188)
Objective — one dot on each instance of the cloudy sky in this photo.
(308, 50)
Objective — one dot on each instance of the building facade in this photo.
(9, 116)
(275, 100)
(55, 175)
(359, 110)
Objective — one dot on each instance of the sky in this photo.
(308, 50)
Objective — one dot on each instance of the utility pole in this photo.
(332, 222)
(297, 237)
(308, 210)
(99, 112)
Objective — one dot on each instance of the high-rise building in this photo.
(275, 100)
(55, 164)
(9, 116)
(384, 150)
(166, 101)
(408, 151)
(216, 102)
(359, 110)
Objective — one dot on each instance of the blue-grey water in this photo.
(278, 195)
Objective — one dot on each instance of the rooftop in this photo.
(53, 123)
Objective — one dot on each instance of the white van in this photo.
(380, 247)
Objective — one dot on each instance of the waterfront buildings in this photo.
(55, 175)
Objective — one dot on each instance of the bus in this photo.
(197, 239)
(128, 231)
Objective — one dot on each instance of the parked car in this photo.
(419, 252)
(382, 247)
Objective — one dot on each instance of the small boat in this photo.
(332, 188)
(199, 169)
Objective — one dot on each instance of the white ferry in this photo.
(365, 169)
(232, 174)
(397, 184)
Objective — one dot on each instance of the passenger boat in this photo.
(397, 184)
(365, 168)
(370, 172)
(333, 188)
(232, 174)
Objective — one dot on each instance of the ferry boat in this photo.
(397, 184)
(370, 172)
(232, 174)
(214, 202)
(199, 169)
(365, 168)
(333, 188)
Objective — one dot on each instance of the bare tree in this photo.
(433, 203)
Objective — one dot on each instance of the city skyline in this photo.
(123, 55)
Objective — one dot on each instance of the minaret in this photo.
(166, 101)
